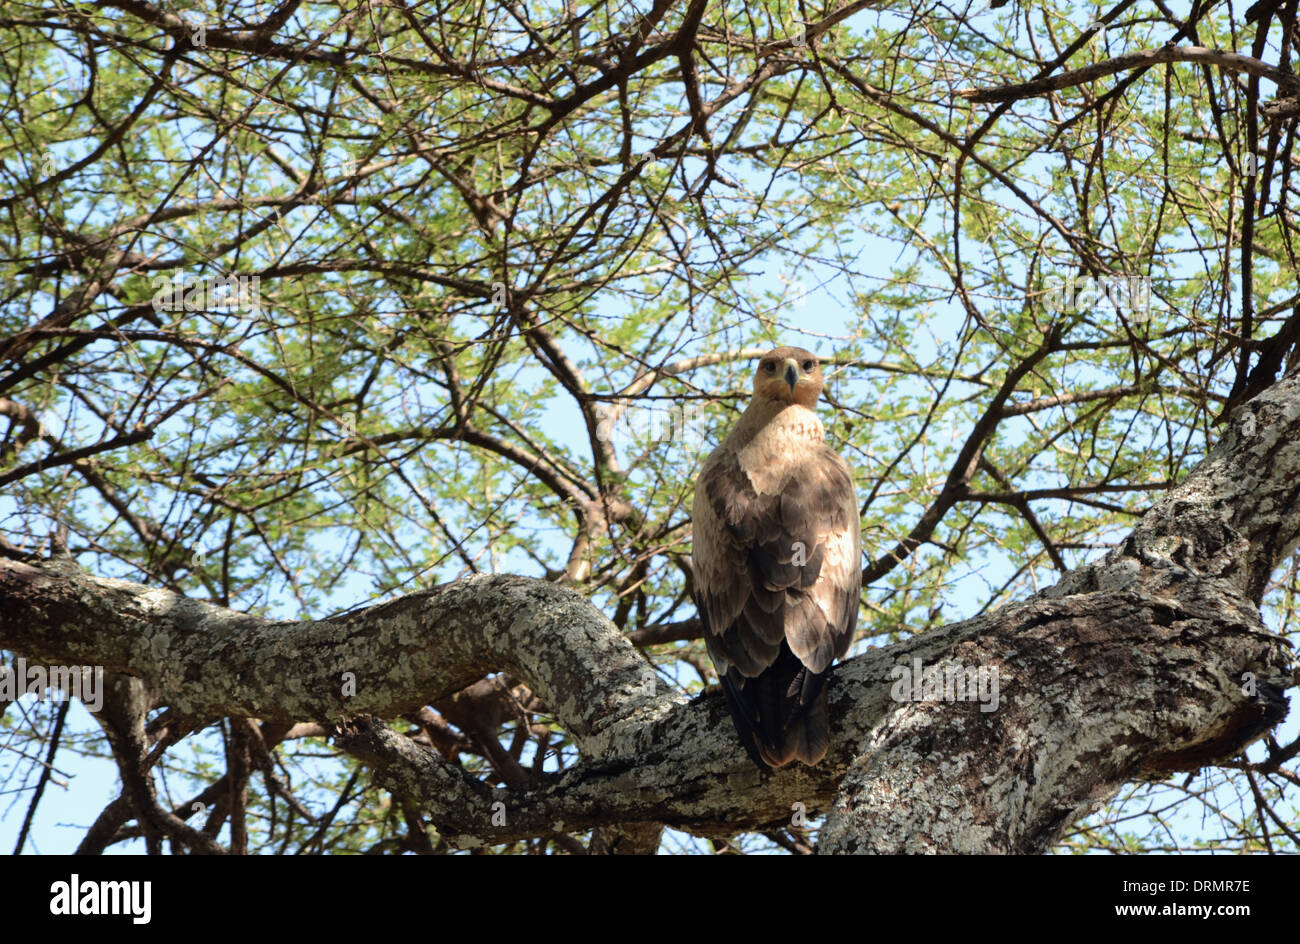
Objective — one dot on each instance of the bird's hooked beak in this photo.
(791, 372)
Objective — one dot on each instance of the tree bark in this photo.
(1153, 660)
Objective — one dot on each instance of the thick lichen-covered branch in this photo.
(1151, 661)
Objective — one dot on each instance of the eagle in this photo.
(777, 563)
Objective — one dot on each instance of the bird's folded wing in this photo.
(777, 566)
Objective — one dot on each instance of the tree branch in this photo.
(1230, 61)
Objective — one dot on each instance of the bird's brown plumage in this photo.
(777, 562)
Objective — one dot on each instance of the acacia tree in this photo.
(359, 361)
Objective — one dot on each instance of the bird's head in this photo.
(790, 375)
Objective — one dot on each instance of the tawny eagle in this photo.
(777, 563)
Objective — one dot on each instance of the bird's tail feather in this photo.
(780, 715)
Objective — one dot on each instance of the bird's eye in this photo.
(769, 366)
(809, 365)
